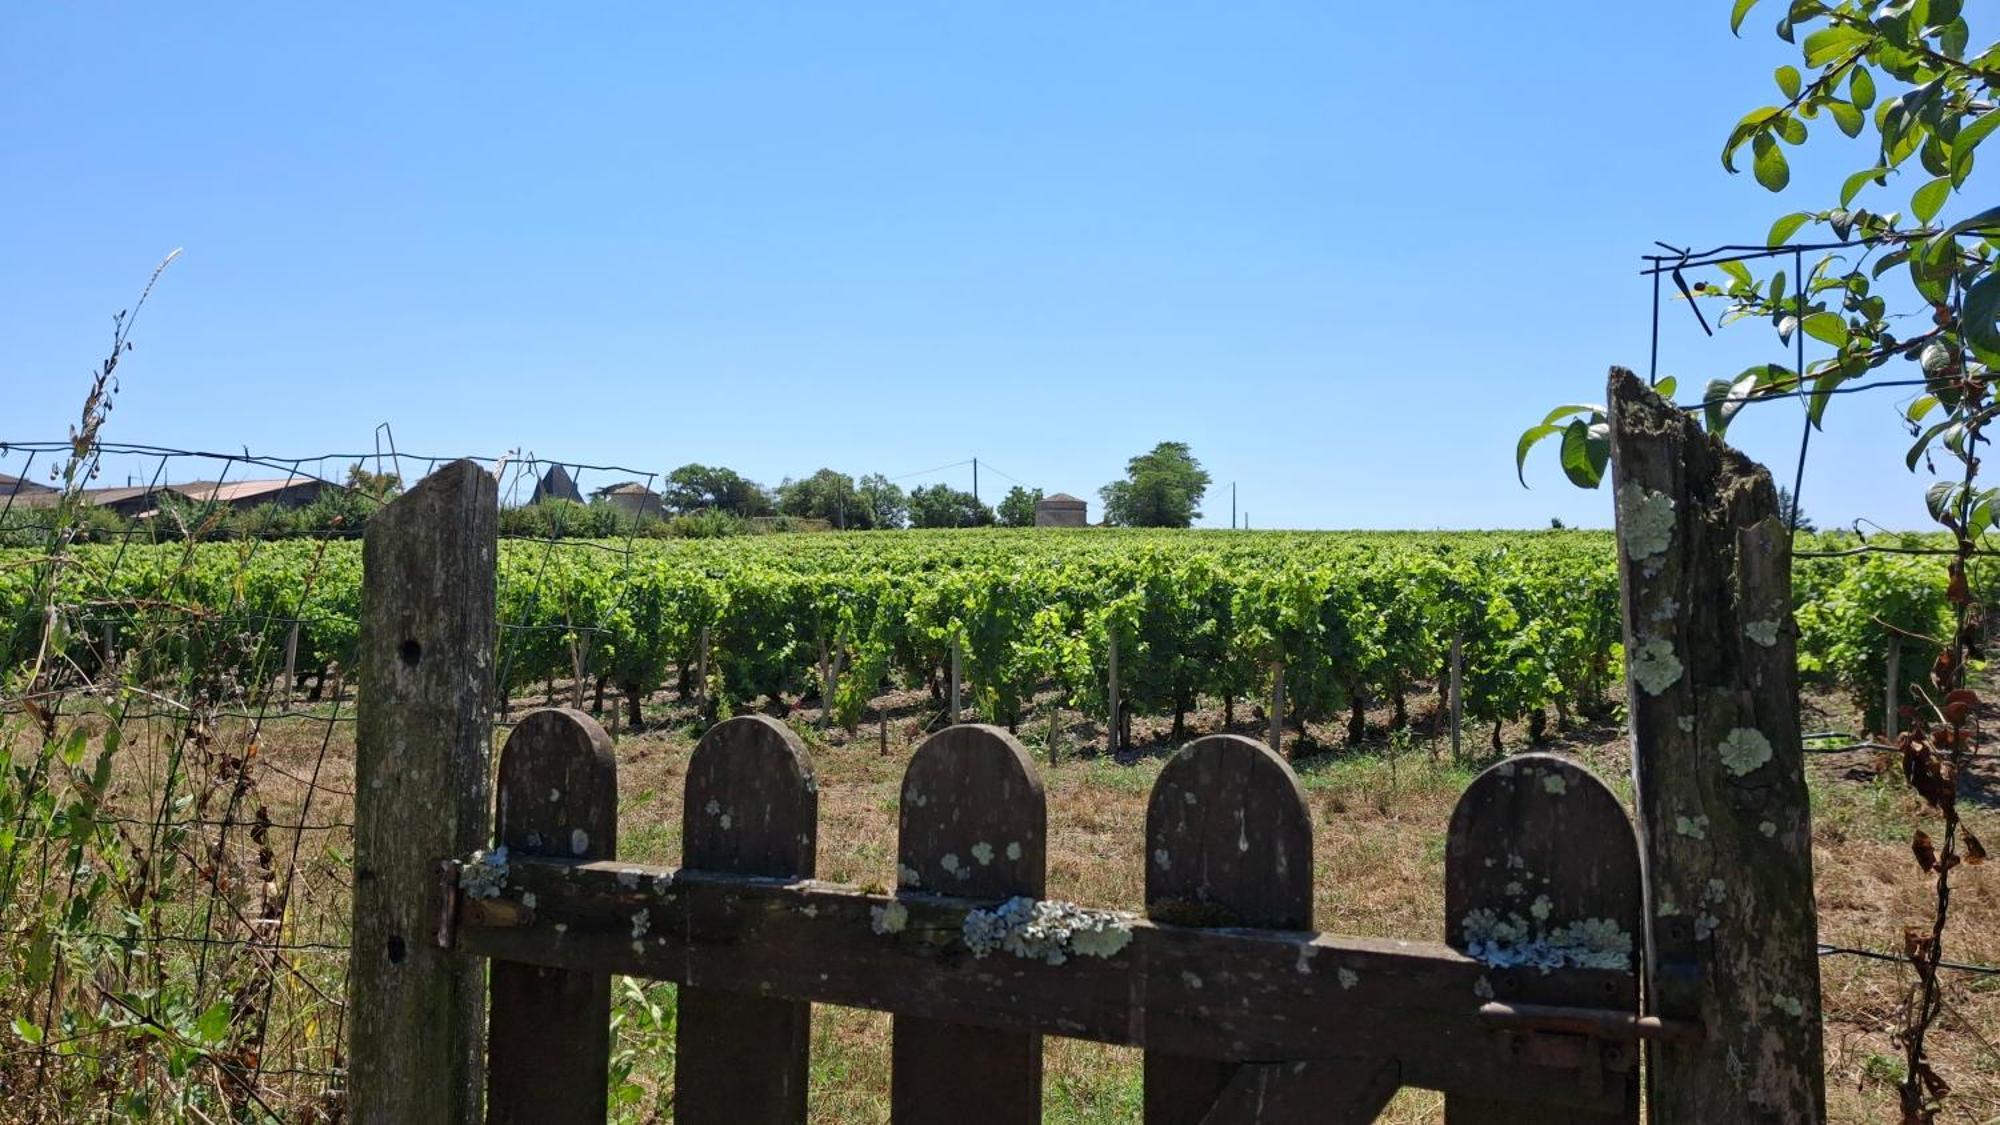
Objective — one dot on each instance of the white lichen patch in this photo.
(983, 852)
(562, 927)
(1686, 723)
(1768, 829)
(951, 865)
(1553, 782)
(1743, 750)
(1046, 930)
(629, 879)
(1483, 988)
(1704, 925)
(908, 876)
(809, 911)
(1694, 828)
(641, 921)
(1666, 609)
(579, 841)
(1307, 951)
(535, 842)
(725, 821)
(1515, 888)
(1645, 520)
(528, 899)
(663, 882)
(1541, 908)
(1014, 849)
(889, 918)
(1189, 979)
(1790, 1005)
(1590, 943)
(555, 795)
(713, 807)
(918, 800)
(1718, 890)
(1163, 859)
(1349, 978)
(1763, 632)
(485, 874)
(1654, 665)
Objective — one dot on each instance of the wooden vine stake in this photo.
(425, 712)
(1712, 678)
(549, 1047)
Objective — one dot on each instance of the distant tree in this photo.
(699, 488)
(1162, 488)
(1788, 510)
(940, 505)
(379, 487)
(1017, 508)
(1556, 523)
(825, 495)
(886, 505)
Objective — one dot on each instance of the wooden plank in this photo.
(1228, 843)
(1326, 1091)
(1712, 679)
(548, 1047)
(752, 808)
(426, 699)
(974, 823)
(1537, 846)
(1203, 993)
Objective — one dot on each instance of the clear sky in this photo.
(1346, 251)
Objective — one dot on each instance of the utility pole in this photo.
(1232, 505)
(975, 479)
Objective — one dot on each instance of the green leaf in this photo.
(1852, 187)
(1861, 88)
(1968, 139)
(1791, 129)
(27, 1031)
(1529, 438)
(1982, 309)
(1569, 408)
(1770, 166)
(1829, 43)
(1827, 328)
(1929, 199)
(212, 1026)
(1737, 271)
(1788, 80)
(1923, 405)
(1923, 442)
(1584, 454)
(1850, 119)
(1665, 387)
(1743, 131)
(1777, 295)
(1736, 15)
(1787, 226)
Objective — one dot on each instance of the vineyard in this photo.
(1354, 620)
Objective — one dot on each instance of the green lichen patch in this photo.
(1655, 668)
(484, 875)
(1046, 930)
(1743, 750)
(1645, 521)
(1763, 632)
(889, 918)
(1514, 941)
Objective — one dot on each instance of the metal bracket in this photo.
(1589, 1041)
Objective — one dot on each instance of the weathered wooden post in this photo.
(1457, 695)
(421, 796)
(957, 711)
(1712, 677)
(1891, 690)
(1278, 707)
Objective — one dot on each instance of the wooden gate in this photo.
(1530, 1008)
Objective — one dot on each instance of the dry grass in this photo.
(1379, 820)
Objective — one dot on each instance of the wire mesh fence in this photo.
(176, 728)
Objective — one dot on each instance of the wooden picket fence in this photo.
(1529, 1009)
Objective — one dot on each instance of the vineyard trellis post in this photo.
(1112, 690)
(1457, 694)
(1718, 768)
(1890, 675)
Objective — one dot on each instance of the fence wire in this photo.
(176, 728)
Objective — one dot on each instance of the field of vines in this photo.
(1355, 620)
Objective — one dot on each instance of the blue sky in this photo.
(1347, 252)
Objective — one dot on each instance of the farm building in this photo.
(556, 485)
(1062, 510)
(13, 486)
(633, 499)
(130, 502)
(241, 495)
